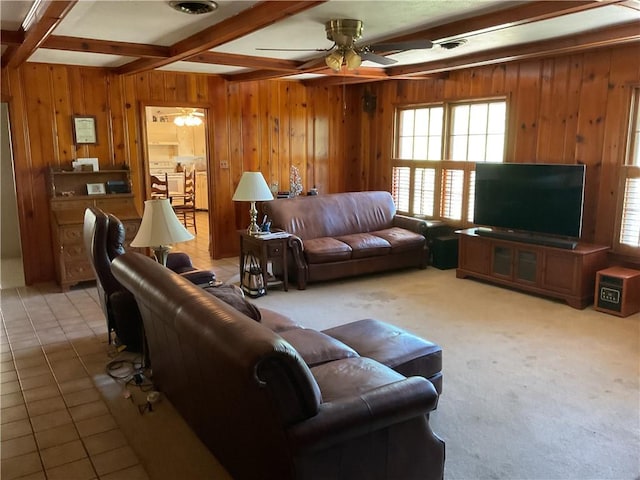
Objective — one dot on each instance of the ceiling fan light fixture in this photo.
(194, 7)
(189, 120)
(352, 59)
(334, 60)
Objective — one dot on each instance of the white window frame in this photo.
(630, 172)
(442, 166)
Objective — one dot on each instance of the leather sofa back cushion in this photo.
(365, 245)
(317, 348)
(332, 215)
(230, 295)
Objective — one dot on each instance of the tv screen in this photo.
(535, 198)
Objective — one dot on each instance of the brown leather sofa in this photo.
(274, 400)
(346, 234)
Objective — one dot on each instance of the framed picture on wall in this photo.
(84, 130)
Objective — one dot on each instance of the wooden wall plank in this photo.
(594, 95)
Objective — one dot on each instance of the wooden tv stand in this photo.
(556, 272)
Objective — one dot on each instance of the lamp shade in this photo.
(252, 188)
(160, 226)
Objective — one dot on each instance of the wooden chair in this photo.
(160, 186)
(187, 210)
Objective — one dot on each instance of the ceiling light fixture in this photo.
(194, 7)
(352, 59)
(189, 120)
(349, 56)
(334, 60)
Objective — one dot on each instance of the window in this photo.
(628, 238)
(437, 147)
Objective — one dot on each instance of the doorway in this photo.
(11, 265)
(176, 146)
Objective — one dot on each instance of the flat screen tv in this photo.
(543, 199)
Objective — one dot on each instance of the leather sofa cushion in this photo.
(351, 377)
(325, 250)
(315, 347)
(366, 245)
(391, 345)
(401, 239)
(333, 214)
(231, 295)
(277, 322)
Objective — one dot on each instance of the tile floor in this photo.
(56, 413)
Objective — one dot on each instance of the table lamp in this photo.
(160, 228)
(252, 188)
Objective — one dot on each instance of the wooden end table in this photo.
(265, 248)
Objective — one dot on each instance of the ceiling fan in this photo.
(344, 33)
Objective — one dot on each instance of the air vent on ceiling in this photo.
(194, 7)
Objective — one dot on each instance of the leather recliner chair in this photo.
(104, 236)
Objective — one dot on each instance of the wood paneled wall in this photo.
(567, 109)
(266, 126)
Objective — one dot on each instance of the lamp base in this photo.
(254, 228)
(161, 253)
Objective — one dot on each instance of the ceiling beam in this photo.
(248, 61)
(502, 19)
(108, 47)
(338, 79)
(50, 15)
(254, 18)
(10, 37)
(617, 35)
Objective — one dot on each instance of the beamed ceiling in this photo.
(133, 36)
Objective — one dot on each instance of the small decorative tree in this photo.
(295, 181)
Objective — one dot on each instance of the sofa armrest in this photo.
(179, 262)
(199, 277)
(347, 418)
(302, 271)
(417, 225)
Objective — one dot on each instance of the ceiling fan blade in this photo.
(409, 45)
(295, 49)
(372, 57)
(314, 62)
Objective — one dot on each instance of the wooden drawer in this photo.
(70, 235)
(121, 206)
(76, 271)
(74, 252)
(274, 250)
(71, 204)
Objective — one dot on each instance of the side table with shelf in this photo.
(264, 248)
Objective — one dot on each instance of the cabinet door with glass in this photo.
(515, 264)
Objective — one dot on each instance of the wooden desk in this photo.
(264, 249)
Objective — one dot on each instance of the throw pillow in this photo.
(233, 296)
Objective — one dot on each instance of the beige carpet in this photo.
(533, 389)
